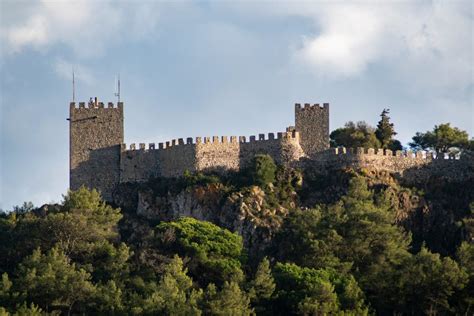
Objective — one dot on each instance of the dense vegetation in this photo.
(347, 244)
(361, 134)
(443, 138)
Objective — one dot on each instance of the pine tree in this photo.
(231, 300)
(262, 287)
(441, 139)
(53, 282)
(385, 130)
(175, 294)
(263, 170)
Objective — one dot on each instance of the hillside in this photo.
(266, 240)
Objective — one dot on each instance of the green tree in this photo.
(175, 294)
(89, 208)
(6, 299)
(231, 300)
(316, 291)
(263, 170)
(108, 299)
(215, 253)
(54, 283)
(427, 282)
(23, 310)
(356, 235)
(353, 135)
(465, 298)
(304, 240)
(395, 145)
(368, 228)
(20, 234)
(106, 261)
(24, 208)
(441, 139)
(385, 132)
(352, 233)
(262, 286)
(84, 228)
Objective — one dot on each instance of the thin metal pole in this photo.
(73, 87)
(117, 94)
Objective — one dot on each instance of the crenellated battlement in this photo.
(95, 105)
(217, 153)
(407, 154)
(214, 140)
(412, 166)
(100, 159)
(312, 107)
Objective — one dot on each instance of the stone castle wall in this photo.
(99, 159)
(412, 167)
(216, 154)
(168, 160)
(95, 135)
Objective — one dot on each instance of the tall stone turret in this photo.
(95, 138)
(312, 123)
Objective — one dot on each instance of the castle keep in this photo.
(100, 159)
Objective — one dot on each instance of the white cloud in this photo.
(33, 33)
(427, 44)
(424, 42)
(347, 43)
(86, 26)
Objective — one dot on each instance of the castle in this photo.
(100, 159)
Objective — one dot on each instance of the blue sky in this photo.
(221, 68)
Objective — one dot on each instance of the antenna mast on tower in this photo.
(117, 94)
(73, 87)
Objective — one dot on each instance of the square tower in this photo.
(312, 123)
(95, 138)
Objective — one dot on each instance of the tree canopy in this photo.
(361, 134)
(263, 170)
(215, 253)
(441, 139)
(353, 135)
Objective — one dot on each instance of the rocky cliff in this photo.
(433, 209)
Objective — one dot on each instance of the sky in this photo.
(221, 68)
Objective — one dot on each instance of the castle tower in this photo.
(312, 123)
(95, 138)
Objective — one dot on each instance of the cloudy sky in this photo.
(221, 68)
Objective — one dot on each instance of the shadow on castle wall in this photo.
(406, 166)
(107, 167)
(100, 171)
(208, 154)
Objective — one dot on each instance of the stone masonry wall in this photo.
(99, 159)
(312, 122)
(284, 149)
(169, 159)
(218, 154)
(412, 167)
(96, 133)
